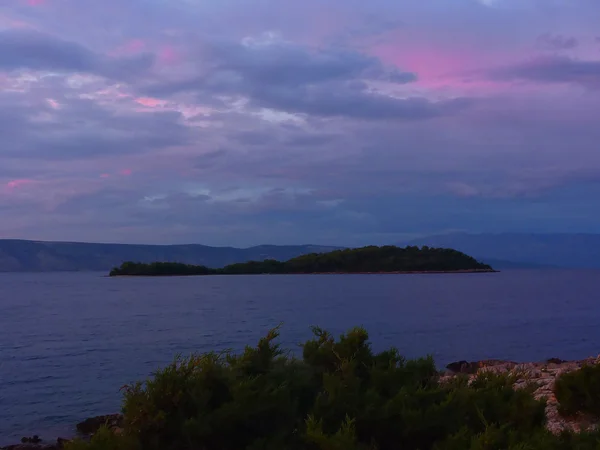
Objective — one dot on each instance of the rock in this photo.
(31, 443)
(91, 425)
(500, 364)
(490, 365)
(87, 427)
(542, 377)
(456, 366)
(38, 445)
(463, 367)
(535, 373)
(31, 446)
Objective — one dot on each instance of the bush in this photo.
(341, 395)
(579, 391)
(105, 439)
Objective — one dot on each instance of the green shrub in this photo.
(341, 395)
(105, 439)
(579, 391)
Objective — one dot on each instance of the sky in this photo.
(342, 122)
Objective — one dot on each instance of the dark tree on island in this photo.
(159, 269)
(387, 259)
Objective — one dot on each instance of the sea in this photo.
(70, 341)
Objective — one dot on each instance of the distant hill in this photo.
(523, 250)
(501, 251)
(35, 256)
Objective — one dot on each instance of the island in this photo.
(372, 259)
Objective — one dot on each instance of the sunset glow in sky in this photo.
(240, 122)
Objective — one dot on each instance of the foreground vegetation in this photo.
(579, 391)
(367, 259)
(340, 395)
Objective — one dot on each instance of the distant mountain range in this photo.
(501, 251)
(34, 256)
(521, 250)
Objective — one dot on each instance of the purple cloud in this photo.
(239, 123)
(552, 69)
(277, 74)
(557, 42)
(24, 49)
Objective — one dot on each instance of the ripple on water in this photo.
(69, 341)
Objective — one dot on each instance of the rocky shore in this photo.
(541, 376)
(85, 430)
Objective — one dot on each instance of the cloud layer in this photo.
(238, 123)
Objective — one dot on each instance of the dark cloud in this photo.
(344, 100)
(394, 75)
(557, 42)
(253, 138)
(92, 203)
(31, 50)
(322, 82)
(209, 159)
(275, 62)
(81, 128)
(24, 49)
(232, 66)
(282, 137)
(104, 138)
(552, 69)
(310, 139)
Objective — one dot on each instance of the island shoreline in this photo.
(410, 272)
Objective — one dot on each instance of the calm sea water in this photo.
(69, 341)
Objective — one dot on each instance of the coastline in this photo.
(406, 272)
(541, 375)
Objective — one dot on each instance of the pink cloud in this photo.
(432, 65)
(15, 184)
(53, 103)
(150, 102)
(445, 69)
(110, 93)
(126, 172)
(130, 47)
(35, 2)
(167, 55)
(104, 175)
(10, 22)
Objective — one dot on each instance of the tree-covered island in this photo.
(387, 259)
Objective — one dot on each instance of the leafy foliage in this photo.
(579, 391)
(341, 395)
(105, 439)
(159, 269)
(360, 260)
